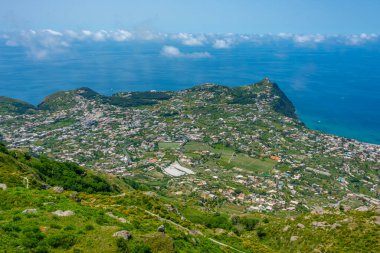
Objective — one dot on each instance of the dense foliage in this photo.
(14, 106)
(283, 105)
(68, 175)
(43, 171)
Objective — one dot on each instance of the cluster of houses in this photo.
(126, 142)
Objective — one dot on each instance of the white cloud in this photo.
(121, 35)
(285, 35)
(361, 38)
(300, 39)
(51, 32)
(100, 35)
(222, 43)
(170, 51)
(188, 39)
(193, 42)
(41, 44)
(87, 33)
(148, 35)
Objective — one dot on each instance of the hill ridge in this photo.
(68, 98)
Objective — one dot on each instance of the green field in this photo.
(242, 161)
(196, 146)
(230, 159)
(169, 145)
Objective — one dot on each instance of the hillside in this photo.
(10, 105)
(68, 99)
(30, 219)
(234, 164)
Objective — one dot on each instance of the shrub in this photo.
(16, 218)
(55, 226)
(31, 238)
(64, 241)
(140, 248)
(69, 227)
(89, 227)
(101, 220)
(261, 233)
(122, 245)
(249, 223)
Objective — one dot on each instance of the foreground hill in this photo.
(38, 215)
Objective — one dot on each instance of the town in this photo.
(240, 147)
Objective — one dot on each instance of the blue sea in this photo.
(335, 88)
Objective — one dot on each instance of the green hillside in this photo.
(10, 105)
(99, 206)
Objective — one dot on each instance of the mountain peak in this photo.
(64, 99)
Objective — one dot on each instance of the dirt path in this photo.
(188, 230)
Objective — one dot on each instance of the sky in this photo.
(195, 16)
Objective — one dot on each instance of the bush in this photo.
(55, 226)
(101, 220)
(64, 241)
(16, 218)
(235, 220)
(249, 223)
(69, 227)
(261, 233)
(122, 245)
(32, 238)
(140, 248)
(89, 227)
(68, 175)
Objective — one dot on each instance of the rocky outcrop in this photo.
(3, 186)
(320, 224)
(122, 220)
(319, 211)
(161, 229)
(75, 196)
(294, 238)
(57, 189)
(362, 209)
(30, 211)
(125, 234)
(301, 226)
(63, 213)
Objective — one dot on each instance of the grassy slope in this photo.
(91, 229)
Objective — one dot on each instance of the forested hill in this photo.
(248, 94)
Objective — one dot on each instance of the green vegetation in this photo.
(61, 100)
(283, 105)
(248, 176)
(231, 159)
(17, 167)
(90, 227)
(10, 105)
(241, 96)
(136, 98)
(169, 145)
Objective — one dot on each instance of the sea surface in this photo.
(336, 89)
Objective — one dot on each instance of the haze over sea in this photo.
(334, 82)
